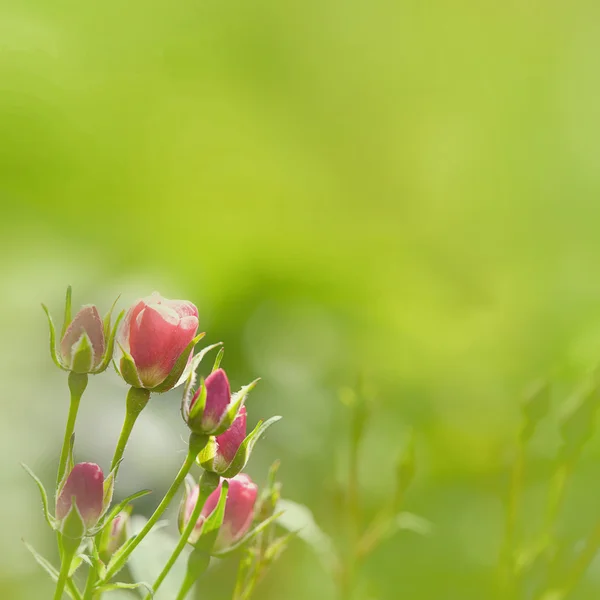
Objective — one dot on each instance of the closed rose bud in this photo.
(155, 333)
(227, 444)
(239, 510)
(218, 396)
(85, 483)
(83, 345)
(114, 535)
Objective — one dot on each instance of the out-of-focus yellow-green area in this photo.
(405, 191)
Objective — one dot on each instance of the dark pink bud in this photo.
(86, 322)
(218, 396)
(155, 332)
(229, 442)
(86, 484)
(239, 510)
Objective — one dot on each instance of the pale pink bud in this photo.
(155, 332)
(86, 322)
(228, 443)
(239, 510)
(85, 483)
(218, 396)
(115, 535)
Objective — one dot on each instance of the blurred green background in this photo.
(400, 190)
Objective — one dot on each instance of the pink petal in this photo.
(86, 483)
(218, 396)
(230, 441)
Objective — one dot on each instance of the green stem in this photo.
(88, 593)
(77, 384)
(65, 566)
(186, 586)
(137, 398)
(557, 496)
(208, 484)
(196, 445)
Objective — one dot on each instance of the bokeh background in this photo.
(400, 191)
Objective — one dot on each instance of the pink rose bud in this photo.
(85, 483)
(228, 443)
(155, 332)
(114, 535)
(79, 354)
(239, 510)
(218, 396)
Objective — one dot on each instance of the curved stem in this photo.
(77, 384)
(208, 484)
(197, 443)
(137, 398)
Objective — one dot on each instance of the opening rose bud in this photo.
(83, 345)
(85, 483)
(155, 332)
(239, 510)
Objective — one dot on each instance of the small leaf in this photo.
(125, 586)
(299, 519)
(245, 450)
(248, 537)
(49, 518)
(67, 317)
(53, 353)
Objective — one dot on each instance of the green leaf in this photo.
(174, 378)
(67, 319)
(299, 519)
(245, 450)
(237, 401)
(247, 538)
(43, 562)
(49, 518)
(122, 505)
(125, 586)
(53, 353)
(200, 404)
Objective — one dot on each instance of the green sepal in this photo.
(274, 550)
(245, 450)
(247, 538)
(119, 507)
(43, 562)
(110, 340)
(108, 318)
(200, 404)
(107, 587)
(189, 484)
(212, 524)
(52, 329)
(237, 401)
(82, 355)
(127, 369)
(72, 527)
(197, 563)
(77, 562)
(109, 488)
(218, 360)
(49, 518)
(174, 376)
(67, 318)
(206, 458)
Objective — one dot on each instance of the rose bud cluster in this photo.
(239, 511)
(155, 342)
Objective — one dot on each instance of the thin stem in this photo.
(74, 591)
(65, 566)
(186, 586)
(208, 484)
(197, 443)
(137, 398)
(88, 593)
(77, 384)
